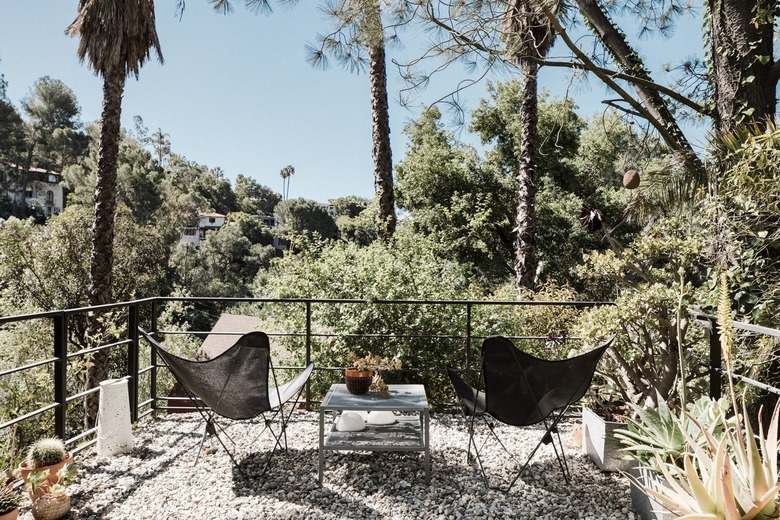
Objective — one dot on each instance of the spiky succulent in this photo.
(46, 452)
(8, 501)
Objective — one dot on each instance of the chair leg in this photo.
(216, 429)
(208, 430)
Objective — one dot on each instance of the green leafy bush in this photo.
(659, 276)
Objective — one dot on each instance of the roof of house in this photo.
(216, 344)
(216, 215)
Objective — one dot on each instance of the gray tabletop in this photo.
(408, 398)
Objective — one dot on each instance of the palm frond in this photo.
(222, 6)
(116, 34)
(663, 189)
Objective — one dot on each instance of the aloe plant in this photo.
(734, 478)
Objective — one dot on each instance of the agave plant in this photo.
(658, 433)
(734, 478)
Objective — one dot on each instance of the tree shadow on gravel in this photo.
(160, 459)
(354, 480)
(292, 477)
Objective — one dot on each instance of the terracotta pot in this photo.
(358, 381)
(11, 515)
(25, 470)
(51, 507)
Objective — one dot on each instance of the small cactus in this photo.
(8, 501)
(46, 452)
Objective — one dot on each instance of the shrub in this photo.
(659, 276)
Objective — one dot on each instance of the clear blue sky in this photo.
(235, 91)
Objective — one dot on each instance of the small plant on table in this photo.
(373, 364)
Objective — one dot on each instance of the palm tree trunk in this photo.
(525, 250)
(102, 258)
(737, 44)
(665, 122)
(380, 134)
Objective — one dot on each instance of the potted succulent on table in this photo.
(365, 374)
(50, 501)
(45, 454)
(9, 504)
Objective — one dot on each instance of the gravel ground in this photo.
(157, 479)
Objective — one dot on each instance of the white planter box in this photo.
(646, 506)
(600, 444)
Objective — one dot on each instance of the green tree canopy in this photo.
(301, 216)
(255, 198)
(55, 137)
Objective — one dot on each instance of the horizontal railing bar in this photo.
(101, 347)
(27, 367)
(85, 393)
(29, 415)
(145, 370)
(532, 303)
(332, 335)
(108, 306)
(181, 408)
(86, 445)
(753, 382)
(172, 398)
(145, 403)
(81, 435)
(739, 325)
(756, 328)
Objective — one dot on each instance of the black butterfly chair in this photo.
(235, 385)
(522, 390)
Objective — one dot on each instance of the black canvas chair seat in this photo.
(523, 390)
(235, 385)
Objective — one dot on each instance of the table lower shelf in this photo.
(403, 435)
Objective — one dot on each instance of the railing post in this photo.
(308, 351)
(153, 359)
(468, 339)
(61, 375)
(716, 355)
(132, 360)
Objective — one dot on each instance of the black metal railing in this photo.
(145, 312)
(144, 398)
(716, 370)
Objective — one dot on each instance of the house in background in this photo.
(196, 234)
(40, 190)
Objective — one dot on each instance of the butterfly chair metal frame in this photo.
(523, 390)
(243, 393)
(472, 406)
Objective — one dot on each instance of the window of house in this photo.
(212, 220)
(50, 197)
